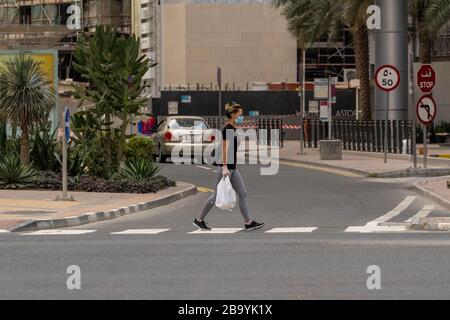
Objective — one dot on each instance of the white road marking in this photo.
(292, 230)
(141, 231)
(202, 167)
(426, 210)
(4, 231)
(394, 212)
(374, 229)
(58, 232)
(216, 230)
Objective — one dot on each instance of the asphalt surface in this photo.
(326, 263)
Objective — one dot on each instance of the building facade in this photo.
(248, 40)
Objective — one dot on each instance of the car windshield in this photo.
(196, 124)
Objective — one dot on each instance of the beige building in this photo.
(249, 42)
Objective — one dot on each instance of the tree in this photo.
(114, 67)
(308, 20)
(26, 97)
(430, 16)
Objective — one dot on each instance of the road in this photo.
(318, 242)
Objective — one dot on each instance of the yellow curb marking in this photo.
(203, 189)
(329, 170)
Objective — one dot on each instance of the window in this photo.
(195, 124)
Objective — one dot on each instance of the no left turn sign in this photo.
(426, 110)
(387, 78)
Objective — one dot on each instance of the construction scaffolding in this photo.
(31, 24)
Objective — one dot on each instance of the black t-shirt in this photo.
(231, 154)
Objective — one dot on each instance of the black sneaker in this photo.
(253, 226)
(201, 225)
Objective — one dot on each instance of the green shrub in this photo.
(443, 127)
(139, 170)
(43, 148)
(14, 175)
(138, 148)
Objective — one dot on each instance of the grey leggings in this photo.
(238, 186)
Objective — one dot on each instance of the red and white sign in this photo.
(426, 78)
(387, 78)
(426, 110)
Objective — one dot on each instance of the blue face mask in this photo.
(240, 120)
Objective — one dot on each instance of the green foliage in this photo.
(139, 170)
(13, 174)
(443, 127)
(114, 66)
(43, 147)
(26, 97)
(2, 138)
(138, 148)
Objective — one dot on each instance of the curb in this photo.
(330, 166)
(105, 215)
(431, 223)
(406, 173)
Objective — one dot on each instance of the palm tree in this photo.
(430, 16)
(26, 97)
(308, 20)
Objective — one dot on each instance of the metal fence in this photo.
(359, 135)
(252, 122)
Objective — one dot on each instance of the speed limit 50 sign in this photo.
(387, 78)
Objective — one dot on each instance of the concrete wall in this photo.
(248, 41)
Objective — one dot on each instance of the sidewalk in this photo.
(22, 210)
(437, 190)
(369, 164)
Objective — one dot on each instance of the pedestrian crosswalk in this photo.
(381, 224)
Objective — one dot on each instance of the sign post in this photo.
(426, 107)
(219, 84)
(426, 112)
(387, 79)
(65, 142)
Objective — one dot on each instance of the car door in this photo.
(158, 135)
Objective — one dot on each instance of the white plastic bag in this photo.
(226, 197)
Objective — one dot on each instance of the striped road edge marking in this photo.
(292, 230)
(57, 232)
(141, 231)
(375, 229)
(426, 210)
(216, 231)
(203, 189)
(323, 169)
(402, 206)
(203, 167)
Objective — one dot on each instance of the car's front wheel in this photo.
(161, 157)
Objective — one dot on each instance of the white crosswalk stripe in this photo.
(393, 213)
(217, 231)
(4, 231)
(57, 232)
(426, 210)
(292, 230)
(141, 231)
(376, 229)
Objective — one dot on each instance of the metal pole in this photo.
(220, 101)
(302, 103)
(386, 129)
(64, 168)
(329, 108)
(412, 111)
(425, 147)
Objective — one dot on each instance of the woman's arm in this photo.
(225, 144)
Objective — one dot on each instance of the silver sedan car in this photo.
(189, 133)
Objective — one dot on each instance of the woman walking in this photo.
(228, 168)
